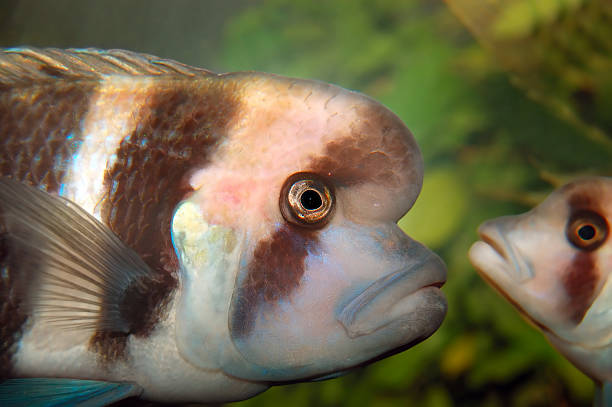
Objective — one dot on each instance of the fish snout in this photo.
(406, 294)
(496, 251)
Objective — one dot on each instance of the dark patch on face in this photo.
(40, 130)
(178, 132)
(363, 157)
(582, 200)
(274, 273)
(580, 281)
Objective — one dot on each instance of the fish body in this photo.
(186, 236)
(553, 263)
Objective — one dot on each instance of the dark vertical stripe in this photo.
(178, 131)
(580, 281)
(40, 129)
(274, 272)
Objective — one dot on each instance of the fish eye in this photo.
(306, 200)
(587, 230)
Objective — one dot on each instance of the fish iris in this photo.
(586, 230)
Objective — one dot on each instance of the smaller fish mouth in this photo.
(393, 296)
(493, 237)
(499, 249)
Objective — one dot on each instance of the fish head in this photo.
(553, 262)
(317, 277)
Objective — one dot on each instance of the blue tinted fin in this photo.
(603, 395)
(63, 392)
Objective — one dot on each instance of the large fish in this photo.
(185, 236)
(553, 264)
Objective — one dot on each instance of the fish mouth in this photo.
(395, 295)
(496, 253)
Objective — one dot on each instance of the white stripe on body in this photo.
(112, 115)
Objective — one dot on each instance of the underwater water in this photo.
(497, 136)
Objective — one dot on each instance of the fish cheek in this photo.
(273, 273)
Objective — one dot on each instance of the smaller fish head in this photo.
(553, 262)
(312, 181)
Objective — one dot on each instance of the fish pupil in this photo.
(586, 232)
(311, 200)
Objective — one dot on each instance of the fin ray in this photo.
(27, 64)
(77, 269)
(39, 392)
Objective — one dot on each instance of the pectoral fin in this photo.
(74, 271)
(45, 392)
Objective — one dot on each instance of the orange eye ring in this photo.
(587, 230)
(306, 200)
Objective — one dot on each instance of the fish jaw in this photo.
(395, 295)
(365, 293)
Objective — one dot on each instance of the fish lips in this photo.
(399, 298)
(496, 254)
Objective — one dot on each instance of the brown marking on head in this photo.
(583, 200)
(581, 279)
(40, 129)
(363, 157)
(178, 131)
(274, 273)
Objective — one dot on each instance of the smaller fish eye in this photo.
(586, 230)
(306, 200)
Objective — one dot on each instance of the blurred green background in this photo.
(501, 120)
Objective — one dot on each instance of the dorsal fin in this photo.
(25, 65)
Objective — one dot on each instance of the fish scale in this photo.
(36, 135)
